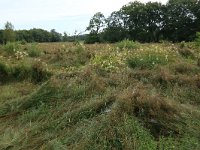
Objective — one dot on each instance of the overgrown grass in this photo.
(100, 97)
(35, 72)
(127, 44)
(148, 59)
(11, 48)
(33, 50)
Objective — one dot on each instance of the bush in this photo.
(36, 72)
(23, 42)
(147, 60)
(197, 41)
(4, 70)
(34, 51)
(198, 62)
(185, 68)
(185, 52)
(22, 71)
(92, 38)
(39, 72)
(126, 44)
(11, 48)
(182, 44)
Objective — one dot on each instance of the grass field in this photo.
(127, 95)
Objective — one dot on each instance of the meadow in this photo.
(122, 96)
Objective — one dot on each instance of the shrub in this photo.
(127, 44)
(182, 44)
(185, 52)
(159, 112)
(185, 68)
(11, 48)
(39, 72)
(23, 42)
(105, 62)
(92, 38)
(198, 62)
(4, 70)
(22, 71)
(147, 60)
(34, 51)
(197, 40)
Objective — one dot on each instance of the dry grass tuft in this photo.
(157, 112)
(186, 52)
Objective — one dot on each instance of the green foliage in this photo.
(153, 106)
(36, 72)
(197, 39)
(33, 50)
(182, 44)
(21, 71)
(97, 22)
(39, 72)
(23, 42)
(107, 63)
(147, 60)
(1, 37)
(186, 52)
(8, 33)
(4, 70)
(11, 48)
(92, 38)
(127, 44)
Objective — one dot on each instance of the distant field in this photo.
(126, 95)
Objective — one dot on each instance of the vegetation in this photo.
(8, 33)
(77, 96)
(176, 21)
(121, 94)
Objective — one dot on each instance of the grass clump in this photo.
(153, 109)
(127, 44)
(34, 51)
(36, 72)
(186, 52)
(11, 47)
(185, 68)
(4, 70)
(147, 59)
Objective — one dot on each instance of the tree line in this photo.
(178, 20)
(8, 34)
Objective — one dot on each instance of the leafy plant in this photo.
(127, 44)
(147, 60)
(197, 39)
(4, 70)
(34, 51)
(11, 48)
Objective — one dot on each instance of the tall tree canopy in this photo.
(178, 20)
(8, 33)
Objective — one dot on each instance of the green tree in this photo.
(1, 36)
(8, 33)
(96, 23)
(181, 20)
(65, 37)
(115, 30)
(55, 36)
(143, 21)
(96, 26)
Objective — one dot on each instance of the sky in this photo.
(63, 15)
